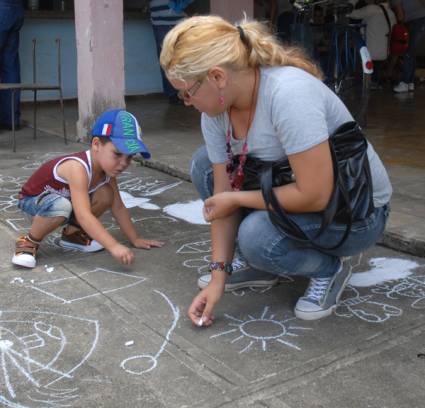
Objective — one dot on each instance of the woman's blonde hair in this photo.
(198, 43)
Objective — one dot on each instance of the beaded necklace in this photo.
(236, 172)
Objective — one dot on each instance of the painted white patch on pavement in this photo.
(190, 211)
(383, 270)
(130, 201)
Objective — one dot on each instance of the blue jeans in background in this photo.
(416, 32)
(11, 20)
(160, 31)
(266, 249)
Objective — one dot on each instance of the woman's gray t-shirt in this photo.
(295, 112)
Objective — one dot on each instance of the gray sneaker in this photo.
(322, 295)
(242, 276)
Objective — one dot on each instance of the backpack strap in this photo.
(389, 26)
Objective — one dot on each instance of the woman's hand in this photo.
(201, 309)
(220, 205)
(147, 243)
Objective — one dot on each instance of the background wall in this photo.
(141, 62)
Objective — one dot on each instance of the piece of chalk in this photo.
(201, 321)
(129, 343)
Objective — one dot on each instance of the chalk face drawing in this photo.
(365, 308)
(412, 287)
(261, 331)
(43, 351)
(144, 363)
(104, 280)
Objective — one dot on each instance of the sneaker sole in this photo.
(322, 313)
(230, 287)
(20, 262)
(82, 248)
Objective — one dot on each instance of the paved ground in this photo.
(80, 330)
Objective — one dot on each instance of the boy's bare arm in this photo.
(123, 218)
(74, 173)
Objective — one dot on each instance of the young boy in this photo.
(76, 189)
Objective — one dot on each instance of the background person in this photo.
(11, 21)
(411, 12)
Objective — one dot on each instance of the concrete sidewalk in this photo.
(395, 127)
(81, 330)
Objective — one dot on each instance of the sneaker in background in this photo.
(25, 252)
(79, 240)
(242, 276)
(322, 295)
(402, 87)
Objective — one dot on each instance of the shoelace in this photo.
(317, 288)
(238, 264)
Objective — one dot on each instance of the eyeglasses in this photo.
(186, 94)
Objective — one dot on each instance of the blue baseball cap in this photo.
(122, 128)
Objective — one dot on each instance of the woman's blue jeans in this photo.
(265, 248)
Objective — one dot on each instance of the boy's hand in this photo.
(122, 253)
(147, 243)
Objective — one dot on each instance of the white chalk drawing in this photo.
(104, 280)
(39, 349)
(190, 212)
(200, 264)
(412, 287)
(261, 330)
(19, 224)
(146, 186)
(131, 201)
(199, 247)
(42, 159)
(9, 189)
(365, 308)
(144, 363)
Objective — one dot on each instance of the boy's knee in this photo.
(60, 207)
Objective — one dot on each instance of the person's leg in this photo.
(416, 32)
(201, 173)
(160, 31)
(10, 24)
(265, 248)
(49, 211)
(73, 236)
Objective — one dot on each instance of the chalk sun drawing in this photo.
(108, 282)
(365, 308)
(39, 349)
(262, 331)
(151, 360)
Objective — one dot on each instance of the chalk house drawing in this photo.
(39, 355)
(198, 247)
(261, 331)
(144, 363)
(105, 280)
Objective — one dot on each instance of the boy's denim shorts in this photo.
(47, 204)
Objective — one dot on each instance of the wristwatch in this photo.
(221, 266)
